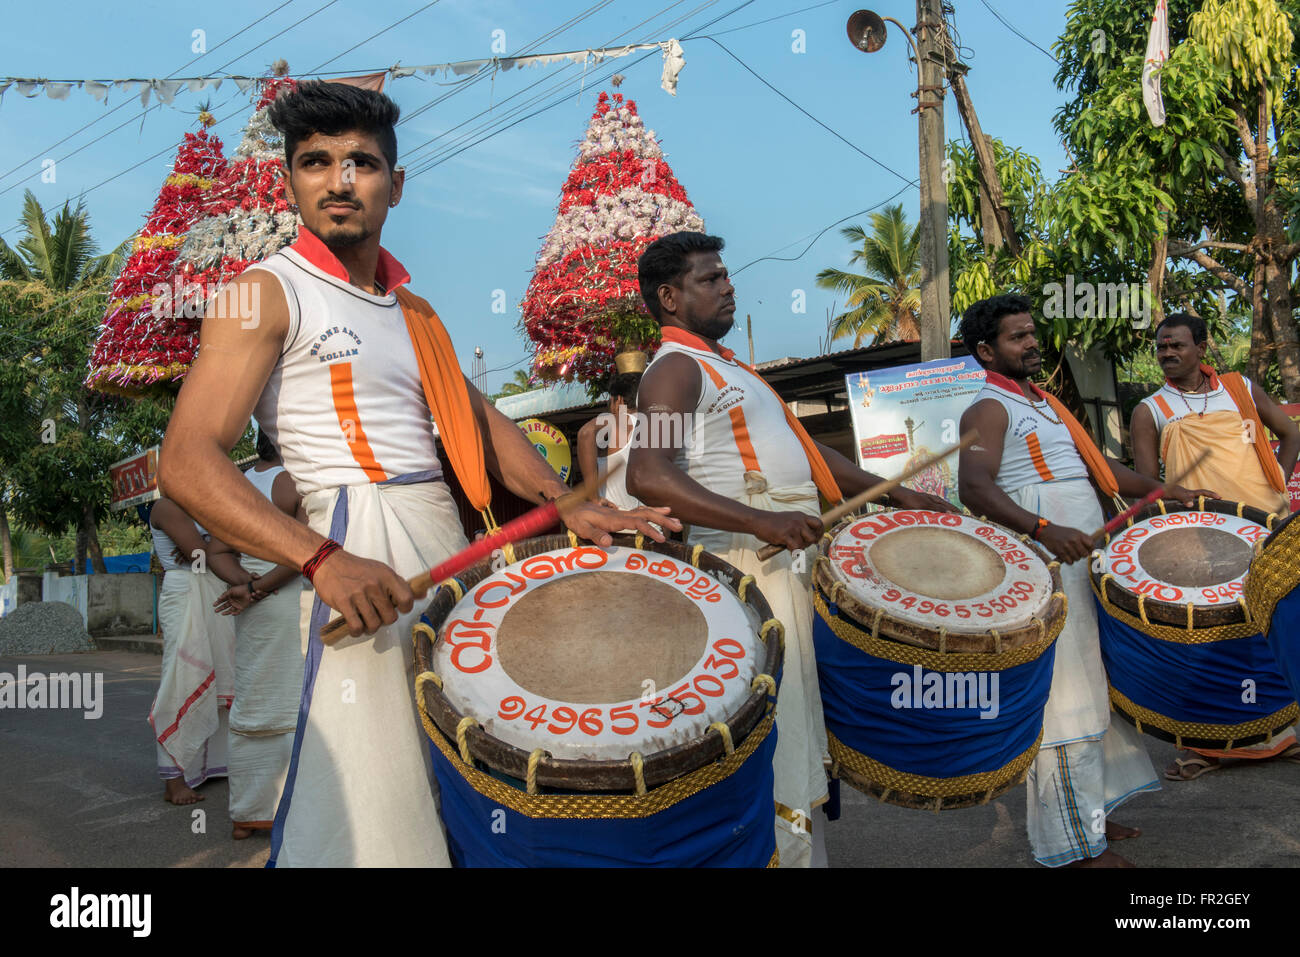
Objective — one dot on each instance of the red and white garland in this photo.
(583, 304)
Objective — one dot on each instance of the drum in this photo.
(602, 707)
(1273, 597)
(1185, 660)
(935, 641)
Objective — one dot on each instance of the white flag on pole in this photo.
(1157, 55)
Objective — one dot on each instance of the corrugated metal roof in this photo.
(562, 397)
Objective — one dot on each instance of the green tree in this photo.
(520, 383)
(884, 301)
(1217, 187)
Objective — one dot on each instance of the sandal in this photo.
(1189, 769)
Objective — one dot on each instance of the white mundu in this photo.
(1037, 446)
(344, 404)
(268, 684)
(346, 408)
(723, 447)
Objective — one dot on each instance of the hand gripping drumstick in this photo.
(525, 526)
(1147, 499)
(875, 492)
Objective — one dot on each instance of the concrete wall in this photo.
(69, 589)
(8, 596)
(120, 604)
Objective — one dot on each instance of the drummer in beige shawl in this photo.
(728, 456)
(1197, 410)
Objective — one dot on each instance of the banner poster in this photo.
(1293, 487)
(902, 414)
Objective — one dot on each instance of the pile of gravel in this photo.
(43, 628)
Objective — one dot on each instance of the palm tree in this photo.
(519, 384)
(885, 302)
(61, 254)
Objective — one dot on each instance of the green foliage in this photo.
(885, 299)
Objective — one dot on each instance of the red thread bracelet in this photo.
(328, 548)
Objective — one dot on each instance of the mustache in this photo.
(338, 201)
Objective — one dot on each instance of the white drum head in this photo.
(1199, 558)
(588, 653)
(941, 570)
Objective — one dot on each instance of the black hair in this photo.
(982, 320)
(1193, 324)
(266, 449)
(664, 261)
(623, 385)
(317, 106)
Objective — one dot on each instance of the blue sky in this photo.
(762, 175)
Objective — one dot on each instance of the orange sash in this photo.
(448, 396)
(1239, 392)
(821, 472)
(1098, 467)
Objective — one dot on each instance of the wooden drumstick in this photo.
(1147, 499)
(525, 526)
(876, 491)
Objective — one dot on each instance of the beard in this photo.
(1030, 365)
(717, 327)
(342, 236)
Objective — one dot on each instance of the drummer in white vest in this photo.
(347, 372)
(268, 663)
(605, 442)
(1030, 471)
(726, 454)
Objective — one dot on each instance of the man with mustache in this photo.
(348, 372)
(1032, 470)
(1197, 409)
(749, 475)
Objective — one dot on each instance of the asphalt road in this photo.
(84, 793)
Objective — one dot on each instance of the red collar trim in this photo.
(1002, 382)
(1209, 373)
(388, 272)
(683, 338)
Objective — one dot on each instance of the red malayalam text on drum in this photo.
(537, 568)
(1008, 548)
(1017, 594)
(1123, 563)
(688, 699)
(699, 585)
(875, 525)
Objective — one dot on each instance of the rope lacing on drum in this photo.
(1268, 521)
(768, 626)
(1105, 578)
(744, 584)
(454, 585)
(1240, 506)
(722, 729)
(427, 676)
(420, 627)
(1200, 503)
(573, 538)
(1245, 609)
(837, 588)
(1042, 629)
(763, 680)
(875, 623)
(943, 640)
(695, 560)
(534, 759)
(1191, 610)
(1142, 609)
(997, 641)
(462, 737)
(638, 772)
(639, 541)
(1065, 601)
(1163, 511)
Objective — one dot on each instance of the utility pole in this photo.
(936, 307)
(749, 322)
(994, 215)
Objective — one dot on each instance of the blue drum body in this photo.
(1273, 596)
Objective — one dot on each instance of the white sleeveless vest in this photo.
(344, 405)
(1037, 447)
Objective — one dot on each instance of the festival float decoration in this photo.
(583, 305)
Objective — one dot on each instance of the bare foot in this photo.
(178, 792)
(1106, 858)
(239, 833)
(1118, 832)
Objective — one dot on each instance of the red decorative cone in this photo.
(139, 342)
(583, 304)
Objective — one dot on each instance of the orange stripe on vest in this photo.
(1036, 456)
(345, 407)
(739, 428)
(1164, 406)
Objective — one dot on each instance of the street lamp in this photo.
(867, 32)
